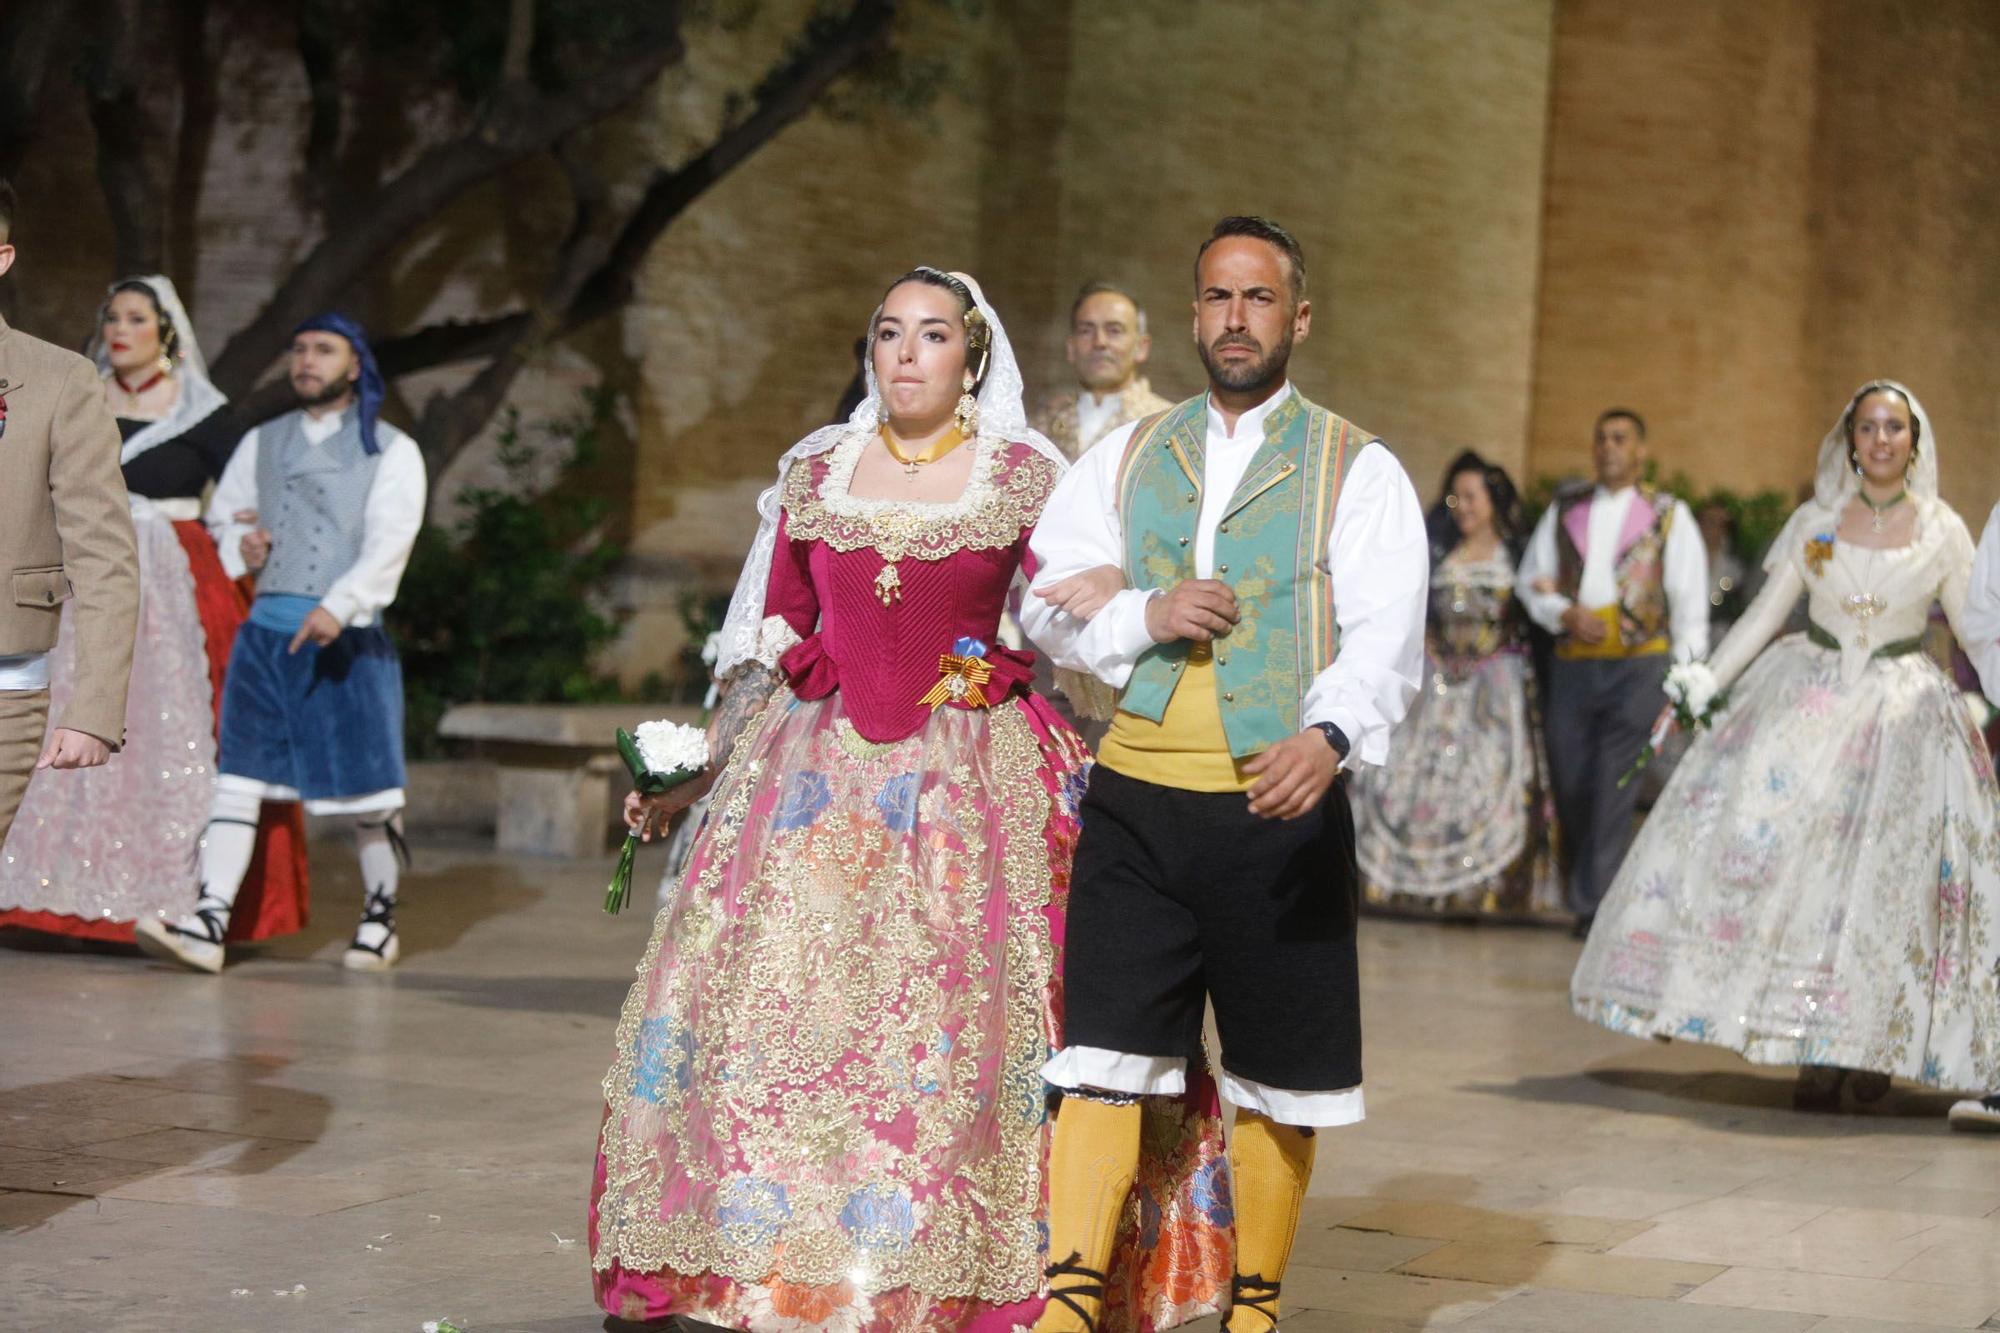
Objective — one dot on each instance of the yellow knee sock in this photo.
(1269, 1167)
(1092, 1163)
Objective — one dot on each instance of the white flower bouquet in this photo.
(661, 756)
(1695, 697)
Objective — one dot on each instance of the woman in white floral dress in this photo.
(1458, 823)
(1818, 884)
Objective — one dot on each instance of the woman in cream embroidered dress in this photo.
(1818, 883)
(827, 1110)
(1458, 823)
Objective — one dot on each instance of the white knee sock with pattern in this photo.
(381, 874)
(227, 843)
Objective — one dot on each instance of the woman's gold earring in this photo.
(967, 411)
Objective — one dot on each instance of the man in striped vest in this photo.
(1269, 634)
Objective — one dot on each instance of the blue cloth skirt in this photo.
(326, 722)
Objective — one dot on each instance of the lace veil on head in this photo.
(1835, 482)
(1003, 416)
(197, 397)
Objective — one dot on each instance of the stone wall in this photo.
(1097, 142)
(1751, 209)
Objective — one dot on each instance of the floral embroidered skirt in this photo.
(1818, 883)
(827, 1110)
(1458, 822)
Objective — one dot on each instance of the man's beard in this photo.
(1246, 376)
(331, 392)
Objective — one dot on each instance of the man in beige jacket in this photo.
(65, 535)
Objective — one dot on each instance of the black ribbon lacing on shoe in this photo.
(379, 910)
(1073, 1267)
(1264, 1302)
(210, 911)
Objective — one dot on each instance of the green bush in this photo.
(505, 606)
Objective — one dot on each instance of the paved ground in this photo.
(291, 1147)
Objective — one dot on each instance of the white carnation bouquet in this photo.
(1696, 697)
(661, 755)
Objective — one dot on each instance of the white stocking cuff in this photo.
(1117, 1071)
(1319, 1110)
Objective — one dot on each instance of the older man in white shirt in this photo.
(1617, 571)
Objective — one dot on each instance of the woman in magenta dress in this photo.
(827, 1110)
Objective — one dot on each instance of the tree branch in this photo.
(516, 124)
(199, 107)
(520, 41)
(452, 340)
(319, 57)
(786, 93)
(593, 277)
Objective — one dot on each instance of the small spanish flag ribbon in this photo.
(962, 676)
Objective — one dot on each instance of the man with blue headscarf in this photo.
(323, 505)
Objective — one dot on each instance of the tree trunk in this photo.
(28, 33)
(138, 219)
(199, 107)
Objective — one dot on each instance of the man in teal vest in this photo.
(1269, 634)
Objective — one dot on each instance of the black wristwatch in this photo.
(1334, 737)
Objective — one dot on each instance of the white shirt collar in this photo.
(1604, 492)
(326, 425)
(1249, 426)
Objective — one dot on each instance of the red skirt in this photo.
(273, 899)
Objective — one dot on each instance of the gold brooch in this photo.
(962, 676)
(889, 584)
(1819, 550)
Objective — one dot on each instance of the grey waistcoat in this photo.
(313, 498)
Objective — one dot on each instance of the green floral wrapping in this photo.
(1689, 724)
(647, 783)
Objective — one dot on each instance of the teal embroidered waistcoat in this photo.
(1270, 548)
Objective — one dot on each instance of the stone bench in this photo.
(561, 781)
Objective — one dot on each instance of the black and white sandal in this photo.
(1977, 1113)
(374, 947)
(194, 941)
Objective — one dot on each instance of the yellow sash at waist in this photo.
(1614, 648)
(1187, 748)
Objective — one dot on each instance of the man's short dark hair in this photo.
(7, 202)
(1613, 413)
(1262, 229)
(1090, 289)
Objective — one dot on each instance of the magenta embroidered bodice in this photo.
(866, 594)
